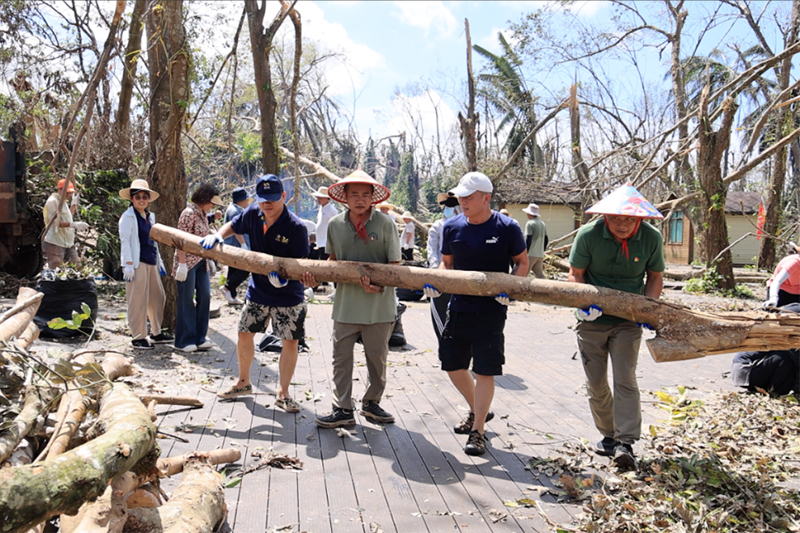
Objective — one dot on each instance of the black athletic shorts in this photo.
(476, 337)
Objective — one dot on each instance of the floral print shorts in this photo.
(287, 322)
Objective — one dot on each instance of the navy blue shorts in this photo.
(476, 337)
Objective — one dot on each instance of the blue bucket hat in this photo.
(238, 195)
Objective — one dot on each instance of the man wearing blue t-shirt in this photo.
(479, 240)
(272, 230)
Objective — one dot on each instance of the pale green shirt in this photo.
(351, 304)
(536, 227)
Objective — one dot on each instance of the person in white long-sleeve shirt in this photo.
(449, 205)
(326, 212)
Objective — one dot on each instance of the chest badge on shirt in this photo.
(492, 240)
(635, 259)
(280, 239)
(373, 236)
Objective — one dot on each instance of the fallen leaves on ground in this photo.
(724, 466)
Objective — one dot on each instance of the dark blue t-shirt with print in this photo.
(286, 237)
(483, 247)
(147, 248)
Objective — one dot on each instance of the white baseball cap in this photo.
(472, 182)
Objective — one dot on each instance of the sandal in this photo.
(235, 391)
(288, 405)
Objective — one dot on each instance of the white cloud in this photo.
(583, 8)
(350, 70)
(422, 113)
(431, 16)
(490, 41)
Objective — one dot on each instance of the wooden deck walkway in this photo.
(413, 475)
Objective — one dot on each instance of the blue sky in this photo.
(392, 44)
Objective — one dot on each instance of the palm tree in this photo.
(505, 90)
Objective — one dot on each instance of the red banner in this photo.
(762, 215)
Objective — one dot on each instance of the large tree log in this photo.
(15, 321)
(681, 332)
(11, 436)
(34, 493)
(196, 505)
(109, 513)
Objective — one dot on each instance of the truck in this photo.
(20, 246)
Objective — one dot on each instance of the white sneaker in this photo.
(189, 348)
(228, 296)
(205, 346)
(237, 301)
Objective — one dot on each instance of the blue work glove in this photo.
(502, 299)
(128, 273)
(430, 291)
(277, 281)
(588, 315)
(209, 241)
(645, 325)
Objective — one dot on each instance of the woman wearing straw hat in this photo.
(142, 267)
(193, 274)
(360, 234)
(618, 252)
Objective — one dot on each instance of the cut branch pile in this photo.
(682, 333)
(96, 455)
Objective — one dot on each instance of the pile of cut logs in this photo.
(77, 445)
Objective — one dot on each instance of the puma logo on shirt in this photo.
(493, 240)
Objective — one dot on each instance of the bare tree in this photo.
(168, 62)
(132, 51)
(261, 43)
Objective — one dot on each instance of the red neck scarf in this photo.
(625, 240)
(361, 227)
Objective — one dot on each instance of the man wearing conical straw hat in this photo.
(361, 233)
(618, 252)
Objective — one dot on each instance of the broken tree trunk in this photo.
(34, 493)
(681, 332)
(15, 321)
(196, 505)
(171, 400)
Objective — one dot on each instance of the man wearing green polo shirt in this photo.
(618, 252)
(361, 233)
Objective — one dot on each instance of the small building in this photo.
(559, 204)
(741, 212)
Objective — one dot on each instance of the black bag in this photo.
(61, 298)
(271, 343)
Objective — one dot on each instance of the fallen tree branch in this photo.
(15, 321)
(171, 400)
(34, 493)
(682, 333)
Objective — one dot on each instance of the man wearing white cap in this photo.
(407, 239)
(617, 251)
(326, 212)
(478, 240)
(535, 231)
(363, 234)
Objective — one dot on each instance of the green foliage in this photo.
(403, 192)
(77, 319)
(710, 282)
(101, 206)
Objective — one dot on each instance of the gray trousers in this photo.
(618, 416)
(375, 338)
(537, 265)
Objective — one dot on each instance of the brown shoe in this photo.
(465, 427)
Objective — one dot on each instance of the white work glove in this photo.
(772, 301)
(79, 226)
(128, 273)
(276, 280)
(212, 269)
(430, 291)
(76, 198)
(209, 241)
(244, 246)
(180, 274)
(588, 315)
(502, 299)
(793, 245)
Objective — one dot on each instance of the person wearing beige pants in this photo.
(146, 298)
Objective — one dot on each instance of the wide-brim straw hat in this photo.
(322, 192)
(442, 197)
(625, 201)
(386, 205)
(380, 193)
(139, 185)
(532, 210)
(407, 214)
